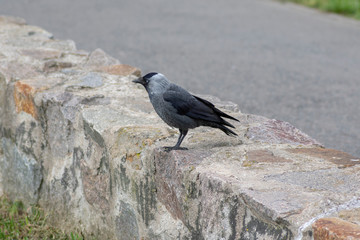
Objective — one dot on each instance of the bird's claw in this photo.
(168, 149)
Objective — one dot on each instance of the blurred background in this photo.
(272, 58)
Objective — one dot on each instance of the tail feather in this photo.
(220, 126)
(218, 121)
(227, 131)
(222, 114)
(224, 122)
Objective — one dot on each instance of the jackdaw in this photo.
(180, 109)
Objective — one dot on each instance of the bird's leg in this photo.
(180, 139)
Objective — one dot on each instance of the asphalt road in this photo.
(278, 60)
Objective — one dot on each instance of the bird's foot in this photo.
(168, 149)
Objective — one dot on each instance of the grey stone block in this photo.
(21, 174)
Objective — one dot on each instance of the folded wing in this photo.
(197, 108)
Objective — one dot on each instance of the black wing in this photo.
(195, 107)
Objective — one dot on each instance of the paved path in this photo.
(278, 60)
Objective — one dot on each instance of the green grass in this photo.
(16, 222)
(350, 8)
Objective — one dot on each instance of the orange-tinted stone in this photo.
(332, 155)
(264, 156)
(25, 90)
(24, 98)
(335, 229)
(122, 70)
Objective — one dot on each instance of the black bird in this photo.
(179, 109)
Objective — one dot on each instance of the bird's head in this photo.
(153, 82)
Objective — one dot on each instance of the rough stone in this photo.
(15, 70)
(41, 54)
(96, 187)
(25, 90)
(335, 156)
(62, 45)
(277, 132)
(53, 66)
(352, 215)
(22, 173)
(1, 177)
(98, 58)
(24, 98)
(126, 224)
(122, 70)
(11, 19)
(2, 95)
(335, 229)
(91, 80)
(323, 179)
(81, 140)
(262, 156)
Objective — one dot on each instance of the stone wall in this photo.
(82, 141)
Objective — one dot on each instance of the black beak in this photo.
(139, 80)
